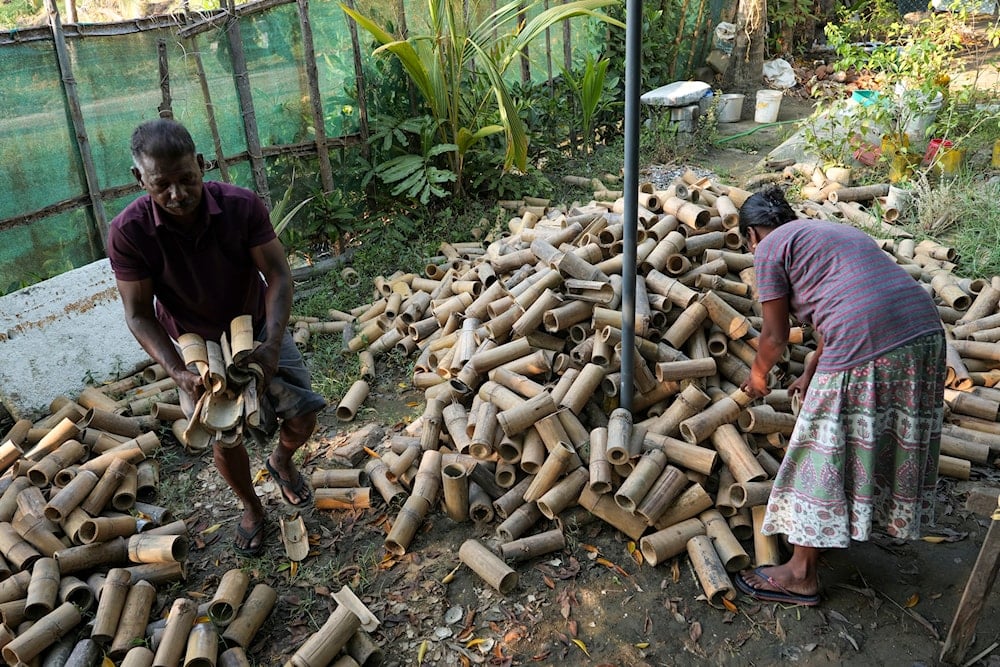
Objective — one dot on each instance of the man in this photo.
(188, 257)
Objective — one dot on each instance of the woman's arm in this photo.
(770, 345)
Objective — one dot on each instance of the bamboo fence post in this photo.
(488, 566)
(315, 97)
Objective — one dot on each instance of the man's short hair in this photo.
(162, 138)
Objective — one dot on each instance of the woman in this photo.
(866, 443)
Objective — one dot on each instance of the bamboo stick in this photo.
(488, 566)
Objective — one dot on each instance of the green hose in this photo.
(754, 129)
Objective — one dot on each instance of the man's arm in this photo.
(137, 297)
(271, 262)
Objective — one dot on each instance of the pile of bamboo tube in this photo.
(518, 349)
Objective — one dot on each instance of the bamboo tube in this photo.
(376, 471)
(15, 549)
(736, 454)
(667, 486)
(686, 405)
(605, 508)
(39, 532)
(668, 542)
(147, 481)
(456, 421)
(512, 499)
(485, 433)
(322, 646)
(765, 419)
(972, 405)
(151, 548)
(949, 466)
(488, 566)
(252, 614)
(555, 465)
(583, 387)
(710, 570)
(110, 422)
(732, 554)
(342, 498)
(529, 547)
(518, 522)
(733, 324)
(202, 646)
(43, 589)
(750, 494)
(480, 504)
(60, 433)
(352, 400)
(123, 499)
(65, 455)
(685, 370)
(237, 657)
(600, 467)
(158, 573)
(138, 656)
(691, 457)
(767, 462)
(641, 480)
(91, 397)
(409, 518)
(134, 616)
(692, 502)
(619, 436)
(517, 419)
(455, 480)
(12, 614)
(133, 451)
(110, 604)
(104, 528)
(15, 586)
(44, 633)
(974, 452)
(563, 494)
(431, 422)
(77, 559)
(765, 547)
(76, 591)
(226, 602)
(701, 426)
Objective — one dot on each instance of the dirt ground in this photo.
(884, 602)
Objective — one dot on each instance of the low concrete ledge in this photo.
(53, 334)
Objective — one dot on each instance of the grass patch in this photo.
(963, 213)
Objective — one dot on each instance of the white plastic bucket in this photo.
(768, 104)
(730, 107)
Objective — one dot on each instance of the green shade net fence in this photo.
(47, 225)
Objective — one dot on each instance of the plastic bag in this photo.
(778, 73)
(725, 36)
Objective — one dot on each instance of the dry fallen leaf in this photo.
(583, 647)
(728, 604)
(779, 631)
(421, 652)
(694, 631)
(934, 539)
(912, 601)
(548, 582)
(675, 571)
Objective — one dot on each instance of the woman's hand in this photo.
(756, 386)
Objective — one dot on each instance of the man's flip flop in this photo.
(248, 536)
(782, 594)
(298, 487)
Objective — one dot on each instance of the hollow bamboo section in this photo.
(252, 614)
(173, 643)
(765, 547)
(488, 566)
(671, 541)
(45, 632)
(710, 570)
(228, 596)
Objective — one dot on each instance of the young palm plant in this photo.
(442, 62)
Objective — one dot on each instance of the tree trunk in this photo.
(745, 72)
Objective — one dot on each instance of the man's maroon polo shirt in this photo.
(204, 278)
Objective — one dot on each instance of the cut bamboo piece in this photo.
(638, 483)
(110, 604)
(619, 444)
(43, 589)
(237, 657)
(132, 623)
(671, 541)
(710, 570)
(43, 634)
(555, 465)
(665, 489)
(518, 522)
(564, 493)
(529, 547)
(456, 492)
(87, 556)
(691, 457)
(180, 621)
(687, 404)
(737, 455)
(750, 494)
(600, 467)
(692, 502)
(488, 566)
(140, 656)
(352, 400)
(732, 554)
(254, 611)
(765, 547)
(605, 508)
(342, 498)
(228, 596)
(202, 646)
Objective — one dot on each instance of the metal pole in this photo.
(633, 55)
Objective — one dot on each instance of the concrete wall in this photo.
(55, 333)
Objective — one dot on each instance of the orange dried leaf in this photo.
(474, 642)
(372, 453)
(675, 571)
(630, 547)
(728, 604)
(912, 601)
(589, 547)
(548, 581)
